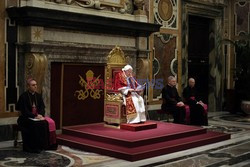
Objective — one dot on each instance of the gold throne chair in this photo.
(114, 110)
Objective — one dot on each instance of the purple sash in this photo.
(52, 125)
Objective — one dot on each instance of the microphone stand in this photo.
(146, 103)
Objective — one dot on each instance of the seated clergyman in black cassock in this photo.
(38, 131)
(172, 102)
(198, 110)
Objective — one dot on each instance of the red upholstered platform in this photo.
(139, 126)
(137, 145)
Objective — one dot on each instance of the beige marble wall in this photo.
(87, 38)
(2, 52)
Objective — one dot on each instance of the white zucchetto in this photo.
(127, 67)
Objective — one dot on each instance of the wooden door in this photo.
(198, 51)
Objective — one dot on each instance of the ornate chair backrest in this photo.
(114, 110)
(116, 61)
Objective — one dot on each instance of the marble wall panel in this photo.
(216, 67)
(164, 53)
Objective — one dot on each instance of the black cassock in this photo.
(198, 115)
(170, 98)
(35, 134)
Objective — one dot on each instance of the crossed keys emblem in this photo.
(89, 87)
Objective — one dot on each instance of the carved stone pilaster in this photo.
(142, 63)
(142, 69)
(36, 65)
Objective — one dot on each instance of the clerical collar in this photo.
(32, 92)
(170, 85)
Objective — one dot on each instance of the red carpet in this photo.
(139, 126)
(137, 145)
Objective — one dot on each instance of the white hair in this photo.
(170, 78)
(127, 67)
(191, 79)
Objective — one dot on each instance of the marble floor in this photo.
(234, 152)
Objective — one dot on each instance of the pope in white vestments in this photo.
(129, 87)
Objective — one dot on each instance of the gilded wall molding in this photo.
(36, 66)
